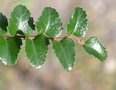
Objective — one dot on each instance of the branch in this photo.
(79, 41)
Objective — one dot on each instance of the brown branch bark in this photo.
(79, 41)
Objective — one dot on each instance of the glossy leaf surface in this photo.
(19, 21)
(94, 47)
(9, 49)
(37, 50)
(49, 23)
(77, 24)
(65, 52)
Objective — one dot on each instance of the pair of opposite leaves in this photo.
(48, 26)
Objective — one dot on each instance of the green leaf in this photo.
(2, 32)
(37, 50)
(9, 49)
(49, 23)
(3, 22)
(77, 24)
(65, 51)
(19, 21)
(94, 47)
(31, 23)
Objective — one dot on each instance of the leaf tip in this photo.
(78, 23)
(37, 67)
(69, 68)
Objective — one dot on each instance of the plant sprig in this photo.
(37, 37)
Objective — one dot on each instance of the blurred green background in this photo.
(88, 72)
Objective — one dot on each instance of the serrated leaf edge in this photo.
(40, 66)
(95, 50)
(77, 21)
(42, 16)
(5, 63)
(60, 60)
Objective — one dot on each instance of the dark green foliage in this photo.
(9, 49)
(36, 50)
(65, 51)
(48, 27)
(3, 22)
(19, 21)
(49, 23)
(31, 23)
(77, 25)
(94, 47)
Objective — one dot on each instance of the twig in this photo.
(79, 41)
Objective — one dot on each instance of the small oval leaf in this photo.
(65, 52)
(94, 47)
(9, 50)
(77, 24)
(19, 21)
(36, 50)
(49, 23)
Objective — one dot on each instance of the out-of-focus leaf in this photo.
(77, 25)
(2, 32)
(3, 22)
(49, 23)
(65, 52)
(37, 50)
(94, 47)
(31, 23)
